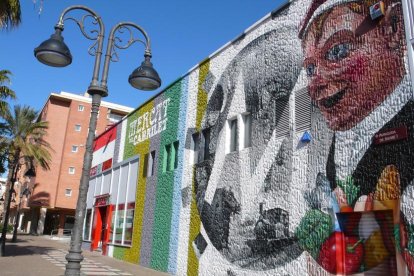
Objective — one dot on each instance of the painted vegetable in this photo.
(341, 254)
(375, 250)
(314, 228)
(388, 191)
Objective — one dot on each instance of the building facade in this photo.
(54, 194)
(289, 151)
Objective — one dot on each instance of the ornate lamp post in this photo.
(54, 52)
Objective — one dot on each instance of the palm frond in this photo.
(10, 14)
(23, 135)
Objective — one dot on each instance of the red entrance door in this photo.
(100, 229)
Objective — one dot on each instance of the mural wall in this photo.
(288, 152)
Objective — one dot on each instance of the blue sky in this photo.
(182, 33)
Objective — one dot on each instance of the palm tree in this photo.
(22, 137)
(10, 14)
(5, 91)
(5, 94)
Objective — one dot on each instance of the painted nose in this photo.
(317, 85)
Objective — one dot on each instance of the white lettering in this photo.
(149, 124)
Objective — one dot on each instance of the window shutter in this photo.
(302, 110)
(282, 117)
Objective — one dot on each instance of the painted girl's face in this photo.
(350, 66)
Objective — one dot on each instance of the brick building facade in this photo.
(54, 193)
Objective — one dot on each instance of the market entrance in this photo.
(100, 233)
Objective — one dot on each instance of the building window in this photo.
(303, 110)
(233, 137)
(87, 228)
(167, 158)
(247, 130)
(149, 161)
(77, 127)
(68, 192)
(175, 154)
(282, 117)
(196, 146)
(170, 161)
(206, 147)
(129, 220)
(75, 148)
(119, 224)
(71, 170)
(145, 167)
(81, 107)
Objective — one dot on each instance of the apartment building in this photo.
(51, 206)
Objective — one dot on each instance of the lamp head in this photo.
(30, 172)
(54, 52)
(145, 77)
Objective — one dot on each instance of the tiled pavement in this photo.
(39, 255)
(89, 267)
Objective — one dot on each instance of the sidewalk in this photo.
(40, 255)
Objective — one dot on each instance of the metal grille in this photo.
(282, 117)
(303, 108)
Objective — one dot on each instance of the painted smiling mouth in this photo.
(331, 101)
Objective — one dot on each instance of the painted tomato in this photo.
(341, 254)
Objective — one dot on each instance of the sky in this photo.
(182, 34)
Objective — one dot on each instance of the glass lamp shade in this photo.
(30, 172)
(145, 77)
(54, 52)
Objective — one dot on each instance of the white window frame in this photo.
(118, 199)
(81, 107)
(68, 192)
(75, 148)
(71, 170)
(78, 127)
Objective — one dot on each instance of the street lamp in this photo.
(54, 52)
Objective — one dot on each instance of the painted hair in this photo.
(320, 9)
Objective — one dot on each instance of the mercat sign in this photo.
(149, 124)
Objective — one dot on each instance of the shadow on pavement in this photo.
(26, 245)
(13, 250)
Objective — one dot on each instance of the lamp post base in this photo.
(73, 266)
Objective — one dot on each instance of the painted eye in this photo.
(310, 69)
(338, 52)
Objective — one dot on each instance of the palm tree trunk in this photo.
(6, 193)
(11, 180)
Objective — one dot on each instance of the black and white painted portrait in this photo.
(245, 213)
